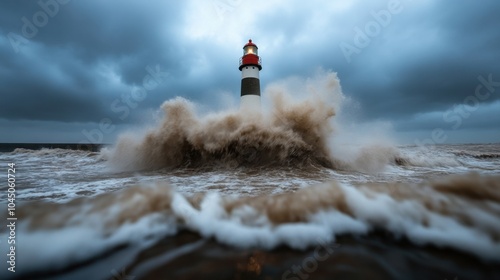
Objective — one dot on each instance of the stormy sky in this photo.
(84, 71)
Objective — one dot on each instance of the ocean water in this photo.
(272, 196)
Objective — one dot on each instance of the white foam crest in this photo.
(243, 228)
(445, 232)
(407, 218)
(60, 247)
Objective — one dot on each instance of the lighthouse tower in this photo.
(250, 65)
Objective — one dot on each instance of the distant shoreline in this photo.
(9, 147)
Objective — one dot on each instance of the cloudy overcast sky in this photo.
(422, 67)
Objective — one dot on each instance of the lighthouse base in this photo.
(250, 102)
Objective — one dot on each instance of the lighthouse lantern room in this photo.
(250, 65)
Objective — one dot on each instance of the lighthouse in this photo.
(250, 65)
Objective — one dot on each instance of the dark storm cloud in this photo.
(92, 54)
(60, 73)
(427, 60)
(47, 87)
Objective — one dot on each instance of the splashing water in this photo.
(290, 133)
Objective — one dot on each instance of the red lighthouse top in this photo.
(250, 43)
(250, 56)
